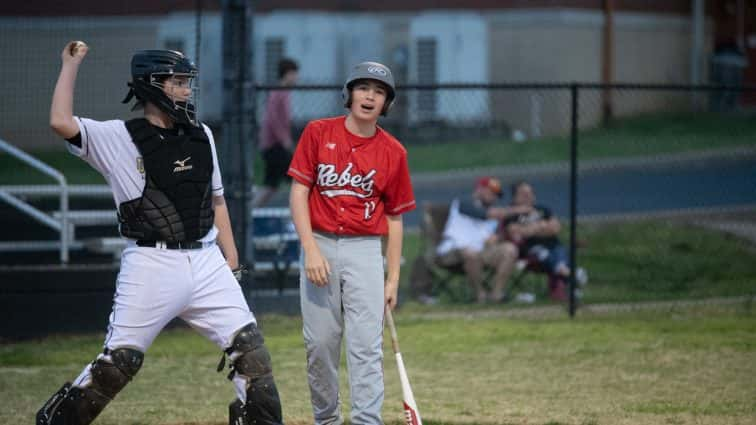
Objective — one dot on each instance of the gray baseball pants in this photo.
(352, 303)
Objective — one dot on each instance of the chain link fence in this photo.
(667, 196)
(665, 188)
(31, 57)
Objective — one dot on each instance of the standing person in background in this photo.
(180, 259)
(351, 185)
(276, 144)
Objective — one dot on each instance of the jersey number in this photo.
(369, 209)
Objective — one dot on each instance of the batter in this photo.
(351, 185)
(180, 257)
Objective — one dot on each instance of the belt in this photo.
(171, 245)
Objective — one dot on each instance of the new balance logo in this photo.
(181, 165)
(331, 146)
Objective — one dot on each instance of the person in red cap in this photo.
(469, 239)
(492, 184)
(499, 254)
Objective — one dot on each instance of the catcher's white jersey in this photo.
(154, 284)
(107, 147)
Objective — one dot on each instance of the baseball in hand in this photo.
(76, 45)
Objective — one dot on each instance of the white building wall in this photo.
(529, 46)
(500, 46)
(182, 26)
(461, 57)
(325, 45)
(363, 41)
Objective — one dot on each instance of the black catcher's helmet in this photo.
(150, 69)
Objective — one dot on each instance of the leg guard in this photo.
(236, 415)
(81, 405)
(251, 361)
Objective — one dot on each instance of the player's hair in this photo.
(285, 65)
(354, 83)
(139, 104)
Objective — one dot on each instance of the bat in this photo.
(411, 415)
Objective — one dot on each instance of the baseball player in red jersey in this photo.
(351, 184)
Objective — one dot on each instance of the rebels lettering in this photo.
(328, 177)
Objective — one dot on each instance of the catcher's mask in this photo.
(370, 71)
(150, 69)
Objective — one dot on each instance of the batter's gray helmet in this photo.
(148, 70)
(370, 71)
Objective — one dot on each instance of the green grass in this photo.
(660, 260)
(478, 365)
(643, 261)
(695, 366)
(74, 169)
(639, 136)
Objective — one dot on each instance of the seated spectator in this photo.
(535, 233)
(497, 253)
(469, 226)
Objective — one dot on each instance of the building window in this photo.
(426, 74)
(274, 51)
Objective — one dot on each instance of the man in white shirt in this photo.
(180, 257)
(468, 240)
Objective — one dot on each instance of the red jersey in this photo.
(354, 181)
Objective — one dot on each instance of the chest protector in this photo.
(176, 204)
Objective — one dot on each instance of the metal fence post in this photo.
(235, 151)
(250, 145)
(574, 92)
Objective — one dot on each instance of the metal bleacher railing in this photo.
(275, 241)
(14, 195)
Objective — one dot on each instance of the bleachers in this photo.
(92, 230)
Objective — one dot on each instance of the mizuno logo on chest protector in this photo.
(181, 165)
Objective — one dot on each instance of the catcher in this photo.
(180, 255)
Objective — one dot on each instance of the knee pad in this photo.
(109, 378)
(250, 356)
(81, 405)
(251, 360)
